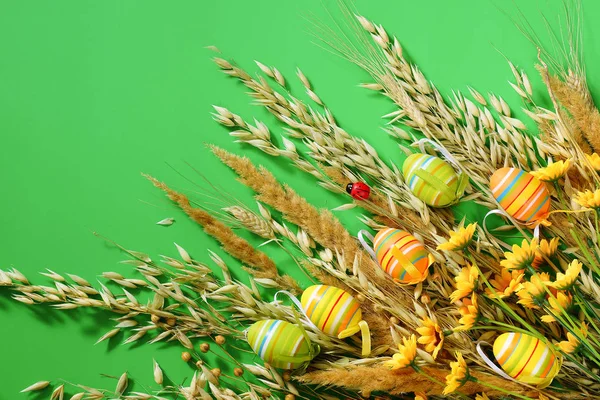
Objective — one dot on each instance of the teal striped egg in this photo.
(432, 180)
(281, 344)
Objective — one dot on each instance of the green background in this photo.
(95, 92)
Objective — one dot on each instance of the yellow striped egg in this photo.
(401, 255)
(333, 310)
(526, 358)
(281, 344)
(520, 194)
(431, 179)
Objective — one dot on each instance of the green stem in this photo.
(503, 305)
(494, 387)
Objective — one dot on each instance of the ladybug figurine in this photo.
(358, 190)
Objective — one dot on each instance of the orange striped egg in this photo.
(401, 255)
(520, 194)
(526, 358)
(333, 310)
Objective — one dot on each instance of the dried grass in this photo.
(396, 382)
(584, 113)
(262, 266)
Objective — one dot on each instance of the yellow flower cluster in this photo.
(469, 312)
(553, 172)
(406, 355)
(459, 240)
(505, 283)
(572, 343)
(458, 374)
(566, 280)
(522, 256)
(546, 250)
(558, 304)
(465, 282)
(432, 336)
(594, 160)
(588, 199)
(533, 293)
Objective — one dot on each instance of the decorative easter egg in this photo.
(358, 190)
(333, 310)
(526, 358)
(433, 180)
(281, 344)
(401, 255)
(520, 194)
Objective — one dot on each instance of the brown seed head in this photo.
(171, 321)
(394, 321)
(238, 372)
(290, 397)
(204, 347)
(216, 372)
(220, 340)
(155, 318)
(199, 364)
(360, 298)
(287, 376)
(425, 299)
(185, 356)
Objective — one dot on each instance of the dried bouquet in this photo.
(424, 302)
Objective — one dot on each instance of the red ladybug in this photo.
(358, 190)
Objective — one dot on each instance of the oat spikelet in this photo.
(325, 278)
(251, 222)
(262, 265)
(582, 109)
(379, 378)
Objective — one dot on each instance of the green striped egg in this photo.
(526, 358)
(281, 344)
(438, 191)
(333, 310)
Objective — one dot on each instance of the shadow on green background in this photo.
(94, 93)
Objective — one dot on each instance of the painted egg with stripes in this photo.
(432, 180)
(520, 194)
(333, 310)
(401, 255)
(526, 358)
(281, 344)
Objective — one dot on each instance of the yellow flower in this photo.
(458, 374)
(407, 354)
(533, 293)
(566, 280)
(594, 159)
(521, 256)
(505, 284)
(482, 396)
(460, 239)
(588, 199)
(553, 172)
(558, 305)
(420, 396)
(465, 283)
(546, 249)
(469, 312)
(572, 343)
(432, 336)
